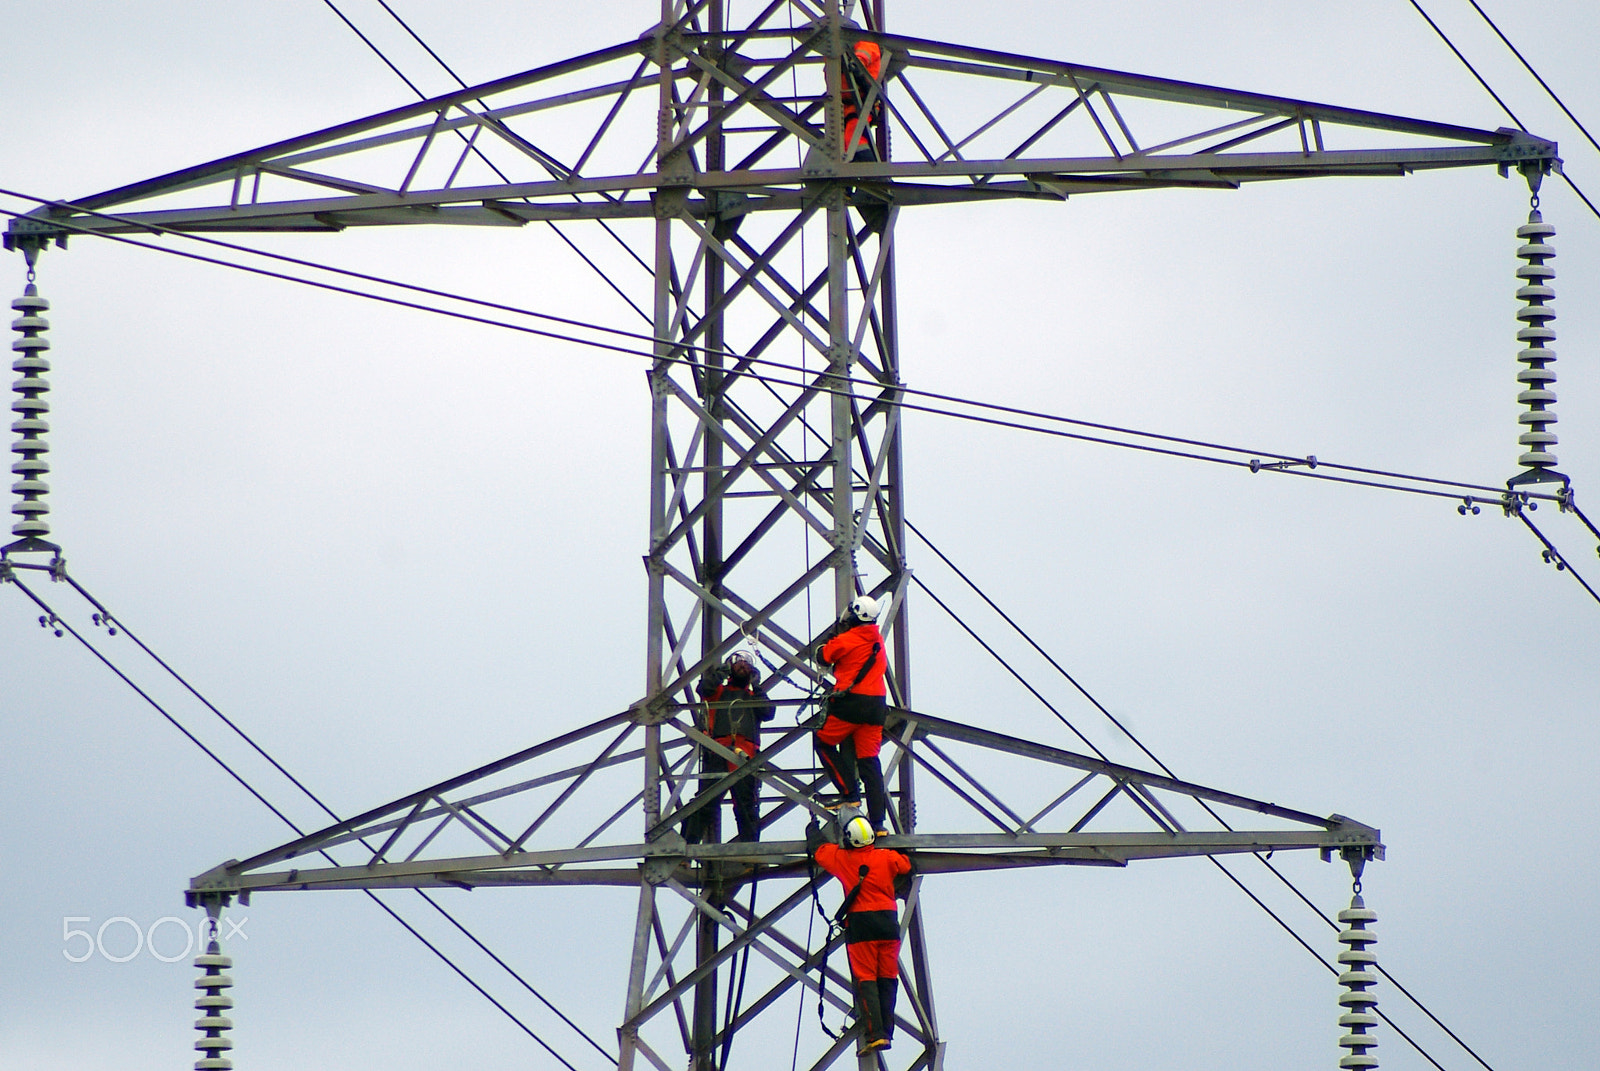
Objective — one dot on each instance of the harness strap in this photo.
(850, 898)
(866, 667)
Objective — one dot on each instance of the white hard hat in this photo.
(858, 832)
(864, 607)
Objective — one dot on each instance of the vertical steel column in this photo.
(708, 935)
(656, 614)
(840, 348)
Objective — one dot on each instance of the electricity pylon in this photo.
(775, 381)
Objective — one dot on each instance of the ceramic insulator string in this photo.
(1358, 978)
(1536, 334)
(212, 1003)
(30, 407)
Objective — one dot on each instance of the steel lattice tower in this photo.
(775, 426)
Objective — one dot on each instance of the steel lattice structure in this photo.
(775, 436)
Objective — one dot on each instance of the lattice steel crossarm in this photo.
(518, 793)
(529, 808)
(1032, 129)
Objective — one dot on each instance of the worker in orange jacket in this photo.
(850, 736)
(862, 69)
(872, 877)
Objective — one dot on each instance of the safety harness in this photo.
(866, 667)
(836, 929)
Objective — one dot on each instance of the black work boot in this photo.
(869, 1016)
(877, 795)
(888, 990)
(840, 763)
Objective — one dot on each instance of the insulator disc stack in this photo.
(1536, 335)
(30, 408)
(1358, 978)
(212, 1003)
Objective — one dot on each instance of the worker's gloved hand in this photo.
(711, 680)
(902, 885)
(814, 837)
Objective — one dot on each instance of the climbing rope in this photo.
(735, 1002)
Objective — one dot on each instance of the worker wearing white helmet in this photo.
(849, 738)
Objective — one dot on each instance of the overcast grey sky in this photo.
(394, 547)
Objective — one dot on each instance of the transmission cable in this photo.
(463, 84)
(1554, 556)
(1503, 105)
(1282, 463)
(1288, 466)
(1170, 773)
(57, 622)
(109, 620)
(489, 163)
(1536, 76)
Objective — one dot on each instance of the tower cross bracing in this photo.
(776, 461)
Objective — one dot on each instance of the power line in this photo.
(56, 621)
(1170, 773)
(109, 619)
(1468, 64)
(970, 631)
(1285, 468)
(1288, 465)
(375, 49)
(1503, 105)
(1554, 556)
(653, 340)
(1545, 85)
(489, 163)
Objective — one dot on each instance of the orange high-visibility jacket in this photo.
(847, 652)
(871, 58)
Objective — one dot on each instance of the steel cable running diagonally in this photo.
(1284, 464)
(1537, 77)
(55, 621)
(1169, 772)
(1503, 105)
(116, 623)
(1450, 489)
(570, 244)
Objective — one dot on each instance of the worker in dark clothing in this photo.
(872, 878)
(850, 736)
(735, 707)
